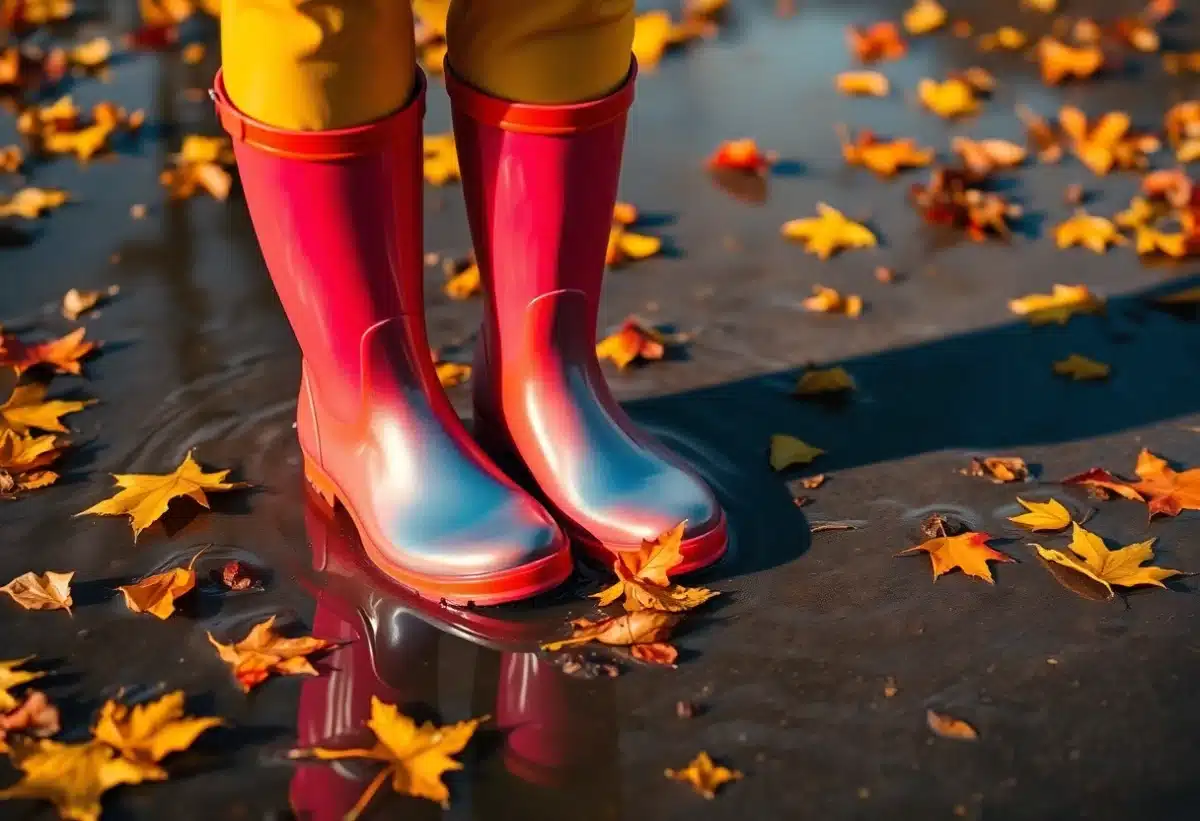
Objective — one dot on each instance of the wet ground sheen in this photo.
(1085, 710)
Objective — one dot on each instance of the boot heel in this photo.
(320, 482)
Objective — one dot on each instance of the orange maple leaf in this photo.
(642, 577)
(741, 155)
(1167, 492)
(968, 552)
(879, 41)
(264, 651)
(1060, 61)
(884, 157)
(62, 354)
(633, 341)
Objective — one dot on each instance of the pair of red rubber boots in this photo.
(338, 216)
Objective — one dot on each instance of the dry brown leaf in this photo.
(76, 303)
(950, 727)
(633, 342)
(415, 757)
(1166, 491)
(829, 301)
(1103, 484)
(636, 627)
(1000, 469)
(264, 651)
(1064, 302)
(48, 591)
(968, 552)
(704, 776)
(643, 577)
(144, 497)
(156, 594)
(865, 83)
(828, 232)
(884, 157)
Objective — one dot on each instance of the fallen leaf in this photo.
(1080, 368)
(704, 775)
(464, 282)
(264, 651)
(817, 381)
(950, 727)
(983, 157)
(788, 450)
(22, 459)
(35, 716)
(49, 591)
(237, 576)
(924, 16)
(1170, 184)
(1060, 61)
(1049, 515)
(200, 165)
(829, 231)
(1166, 491)
(92, 54)
(11, 159)
(625, 213)
(968, 552)
(1104, 484)
(76, 303)
(156, 594)
(416, 757)
(632, 342)
(884, 157)
(1005, 38)
(441, 159)
(1107, 143)
(193, 54)
(625, 246)
(741, 155)
(813, 482)
(954, 97)
(27, 408)
(643, 581)
(11, 677)
(1000, 469)
(655, 653)
(148, 733)
(70, 776)
(1058, 306)
(1182, 124)
(866, 83)
(828, 301)
(452, 373)
(63, 354)
(31, 203)
(952, 199)
(1092, 232)
(144, 497)
(1109, 568)
(1041, 135)
(879, 41)
(636, 627)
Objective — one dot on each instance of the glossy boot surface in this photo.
(540, 183)
(338, 217)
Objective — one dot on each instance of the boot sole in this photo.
(494, 588)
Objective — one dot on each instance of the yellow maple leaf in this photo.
(92, 54)
(26, 408)
(148, 733)
(1005, 38)
(1152, 241)
(156, 594)
(829, 301)
(624, 246)
(70, 776)
(1058, 306)
(818, 381)
(464, 284)
(441, 159)
(48, 591)
(1080, 368)
(642, 577)
(1092, 232)
(10, 677)
(415, 757)
(1109, 568)
(1060, 61)
(264, 651)
(924, 16)
(824, 234)
(22, 457)
(969, 552)
(1140, 213)
(704, 775)
(1107, 143)
(31, 203)
(1049, 515)
(144, 497)
(954, 97)
(788, 450)
(867, 83)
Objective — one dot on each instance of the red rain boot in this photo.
(338, 216)
(540, 183)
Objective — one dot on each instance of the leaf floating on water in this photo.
(704, 775)
(48, 591)
(968, 552)
(73, 777)
(144, 497)
(156, 594)
(949, 727)
(148, 733)
(264, 651)
(787, 450)
(1049, 515)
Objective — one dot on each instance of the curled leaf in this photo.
(635, 627)
(48, 591)
(950, 727)
(156, 594)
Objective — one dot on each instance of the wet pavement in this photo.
(1085, 710)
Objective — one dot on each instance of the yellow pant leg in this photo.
(313, 65)
(541, 51)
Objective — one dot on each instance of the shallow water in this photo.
(791, 664)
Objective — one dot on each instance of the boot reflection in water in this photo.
(324, 105)
(391, 649)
